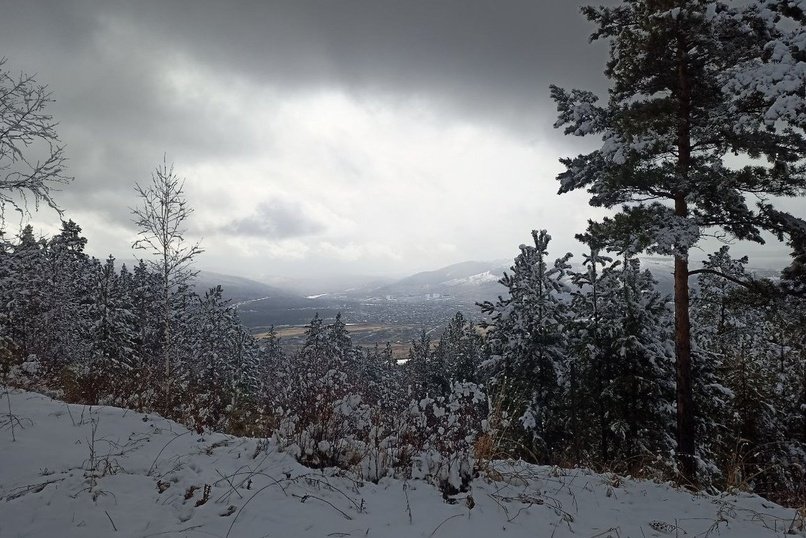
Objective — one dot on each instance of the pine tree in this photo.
(110, 332)
(144, 292)
(28, 291)
(457, 355)
(639, 397)
(755, 373)
(527, 341)
(418, 366)
(245, 361)
(380, 377)
(690, 81)
(210, 367)
(590, 360)
(339, 341)
(270, 363)
(66, 273)
(8, 274)
(620, 392)
(713, 333)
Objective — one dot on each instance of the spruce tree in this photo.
(528, 343)
(691, 81)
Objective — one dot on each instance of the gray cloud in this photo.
(221, 87)
(487, 59)
(493, 60)
(107, 64)
(276, 219)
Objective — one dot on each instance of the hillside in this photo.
(239, 289)
(78, 471)
(465, 282)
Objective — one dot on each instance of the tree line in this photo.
(572, 367)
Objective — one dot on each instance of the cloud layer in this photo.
(316, 137)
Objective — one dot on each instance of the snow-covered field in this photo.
(103, 471)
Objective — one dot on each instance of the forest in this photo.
(578, 368)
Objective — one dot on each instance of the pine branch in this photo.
(749, 284)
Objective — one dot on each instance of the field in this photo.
(363, 334)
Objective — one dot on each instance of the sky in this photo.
(317, 137)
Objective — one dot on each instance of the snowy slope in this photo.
(103, 471)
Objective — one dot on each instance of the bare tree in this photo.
(161, 219)
(31, 156)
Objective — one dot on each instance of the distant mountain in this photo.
(236, 288)
(239, 289)
(382, 304)
(469, 282)
(335, 285)
(261, 305)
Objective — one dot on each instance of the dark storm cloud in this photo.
(483, 58)
(276, 219)
(127, 78)
(106, 64)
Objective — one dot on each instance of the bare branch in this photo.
(32, 159)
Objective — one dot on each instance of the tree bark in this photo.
(685, 404)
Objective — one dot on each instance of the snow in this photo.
(473, 280)
(103, 471)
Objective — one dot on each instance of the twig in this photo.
(241, 509)
(441, 524)
(173, 532)
(556, 525)
(11, 417)
(70, 413)
(408, 504)
(303, 498)
(231, 485)
(611, 529)
(110, 520)
(337, 490)
(162, 449)
(32, 488)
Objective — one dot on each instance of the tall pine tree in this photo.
(691, 81)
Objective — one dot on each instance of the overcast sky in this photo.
(317, 137)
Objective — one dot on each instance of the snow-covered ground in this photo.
(102, 471)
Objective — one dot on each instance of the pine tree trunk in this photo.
(685, 406)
